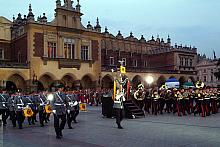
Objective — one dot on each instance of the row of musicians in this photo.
(20, 106)
(202, 103)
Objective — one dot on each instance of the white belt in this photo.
(57, 104)
(29, 103)
(207, 98)
(20, 104)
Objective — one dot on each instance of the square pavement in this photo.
(92, 130)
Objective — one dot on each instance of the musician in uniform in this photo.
(29, 104)
(59, 104)
(11, 106)
(118, 106)
(40, 104)
(139, 96)
(155, 105)
(76, 107)
(3, 108)
(19, 105)
(71, 109)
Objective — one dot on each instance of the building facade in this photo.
(38, 54)
(205, 72)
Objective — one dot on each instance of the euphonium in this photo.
(199, 84)
(48, 109)
(139, 95)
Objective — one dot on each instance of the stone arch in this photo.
(172, 77)
(161, 81)
(192, 79)
(87, 82)
(47, 80)
(69, 80)
(107, 81)
(16, 80)
(136, 81)
(40, 86)
(182, 80)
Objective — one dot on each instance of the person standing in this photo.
(19, 105)
(11, 106)
(118, 106)
(3, 108)
(59, 104)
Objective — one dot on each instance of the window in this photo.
(52, 49)
(85, 52)
(211, 78)
(135, 63)
(69, 49)
(145, 63)
(112, 61)
(181, 61)
(1, 54)
(204, 78)
(204, 71)
(186, 62)
(124, 61)
(19, 56)
(190, 63)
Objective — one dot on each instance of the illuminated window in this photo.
(52, 50)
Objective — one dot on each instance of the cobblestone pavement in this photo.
(92, 130)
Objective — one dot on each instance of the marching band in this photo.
(20, 107)
(64, 106)
(202, 101)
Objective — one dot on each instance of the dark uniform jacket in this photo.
(3, 101)
(59, 103)
(19, 103)
(11, 103)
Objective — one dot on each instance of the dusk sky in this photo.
(188, 22)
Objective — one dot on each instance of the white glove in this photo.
(54, 111)
(68, 111)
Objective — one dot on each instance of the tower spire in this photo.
(30, 16)
(78, 6)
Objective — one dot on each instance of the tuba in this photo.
(138, 95)
(28, 112)
(199, 84)
(48, 109)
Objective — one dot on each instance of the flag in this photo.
(122, 69)
(128, 89)
(114, 90)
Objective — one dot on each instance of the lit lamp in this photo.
(149, 80)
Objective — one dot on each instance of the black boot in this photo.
(119, 126)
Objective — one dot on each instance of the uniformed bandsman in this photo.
(59, 104)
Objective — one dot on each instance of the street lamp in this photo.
(149, 79)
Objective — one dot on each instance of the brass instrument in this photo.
(138, 95)
(199, 84)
